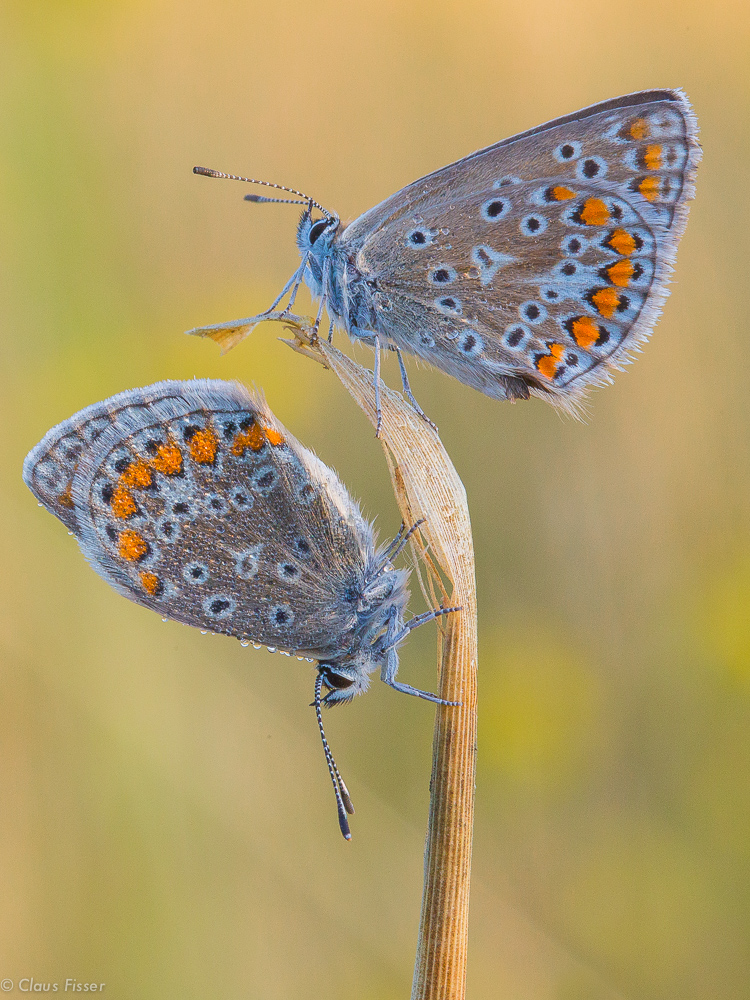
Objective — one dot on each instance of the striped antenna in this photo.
(208, 172)
(343, 799)
(259, 198)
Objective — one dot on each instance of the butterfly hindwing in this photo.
(194, 501)
(566, 299)
(542, 260)
(49, 468)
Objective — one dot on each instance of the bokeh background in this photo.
(167, 823)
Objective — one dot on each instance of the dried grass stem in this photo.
(427, 486)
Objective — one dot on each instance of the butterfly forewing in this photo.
(627, 129)
(195, 502)
(545, 257)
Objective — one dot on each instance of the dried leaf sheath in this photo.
(427, 486)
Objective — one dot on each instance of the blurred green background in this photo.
(167, 823)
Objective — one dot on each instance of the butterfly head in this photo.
(345, 678)
(315, 236)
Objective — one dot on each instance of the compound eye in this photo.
(317, 230)
(335, 681)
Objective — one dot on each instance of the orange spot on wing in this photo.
(131, 546)
(168, 459)
(606, 301)
(122, 503)
(274, 436)
(252, 437)
(151, 583)
(137, 476)
(649, 188)
(203, 446)
(548, 364)
(585, 331)
(621, 273)
(562, 193)
(66, 499)
(639, 129)
(622, 242)
(594, 212)
(652, 157)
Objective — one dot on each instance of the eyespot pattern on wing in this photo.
(552, 248)
(186, 497)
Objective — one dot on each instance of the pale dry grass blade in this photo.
(427, 486)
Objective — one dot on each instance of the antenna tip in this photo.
(255, 197)
(344, 826)
(204, 171)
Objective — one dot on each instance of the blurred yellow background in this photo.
(167, 822)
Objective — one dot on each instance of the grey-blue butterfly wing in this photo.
(538, 264)
(550, 311)
(195, 502)
(49, 468)
(625, 126)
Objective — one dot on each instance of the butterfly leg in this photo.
(324, 283)
(397, 545)
(228, 334)
(378, 409)
(390, 667)
(284, 290)
(407, 389)
(416, 622)
(296, 281)
(388, 675)
(390, 547)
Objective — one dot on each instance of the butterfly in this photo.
(191, 499)
(533, 267)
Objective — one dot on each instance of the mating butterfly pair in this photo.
(533, 267)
